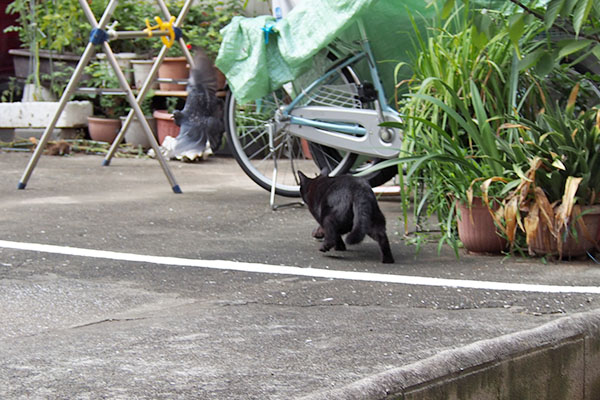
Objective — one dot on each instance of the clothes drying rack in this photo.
(170, 33)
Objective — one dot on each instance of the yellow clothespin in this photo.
(163, 26)
(149, 28)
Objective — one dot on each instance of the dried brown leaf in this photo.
(565, 209)
(485, 187)
(510, 218)
(531, 223)
(545, 209)
(572, 98)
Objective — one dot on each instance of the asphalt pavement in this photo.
(209, 294)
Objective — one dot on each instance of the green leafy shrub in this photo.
(473, 90)
(203, 23)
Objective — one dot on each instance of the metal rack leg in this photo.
(140, 98)
(74, 81)
(149, 79)
(85, 58)
(139, 114)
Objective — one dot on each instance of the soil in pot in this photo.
(476, 229)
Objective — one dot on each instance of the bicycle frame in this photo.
(351, 129)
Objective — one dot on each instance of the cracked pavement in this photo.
(79, 327)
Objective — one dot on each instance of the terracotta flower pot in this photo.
(476, 228)
(173, 68)
(585, 241)
(221, 79)
(165, 125)
(306, 149)
(103, 129)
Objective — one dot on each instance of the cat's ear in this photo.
(325, 171)
(302, 177)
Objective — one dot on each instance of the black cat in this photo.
(345, 204)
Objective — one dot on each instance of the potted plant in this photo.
(141, 69)
(57, 31)
(135, 133)
(176, 69)
(165, 124)
(556, 202)
(49, 30)
(108, 108)
(16, 112)
(463, 85)
(129, 15)
(465, 113)
(201, 29)
(451, 158)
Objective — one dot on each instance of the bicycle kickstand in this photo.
(275, 207)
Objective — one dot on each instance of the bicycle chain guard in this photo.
(374, 143)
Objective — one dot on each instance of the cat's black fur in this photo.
(345, 204)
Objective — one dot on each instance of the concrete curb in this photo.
(558, 360)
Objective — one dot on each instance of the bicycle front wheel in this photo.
(248, 139)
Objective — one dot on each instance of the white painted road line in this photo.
(298, 271)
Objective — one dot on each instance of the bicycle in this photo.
(330, 120)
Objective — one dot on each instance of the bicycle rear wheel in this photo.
(248, 137)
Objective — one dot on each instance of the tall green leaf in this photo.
(552, 12)
(568, 47)
(581, 13)
(448, 7)
(516, 28)
(531, 59)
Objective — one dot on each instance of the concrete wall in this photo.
(257, 7)
(39, 114)
(559, 360)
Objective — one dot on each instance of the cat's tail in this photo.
(360, 222)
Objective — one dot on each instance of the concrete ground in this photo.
(82, 325)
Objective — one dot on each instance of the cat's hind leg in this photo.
(339, 243)
(336, 243)
(318, 233)
(384, 245)
(332, 238)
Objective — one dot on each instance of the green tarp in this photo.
(255, 66)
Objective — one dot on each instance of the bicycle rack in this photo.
(99, 36)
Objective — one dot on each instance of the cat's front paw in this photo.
(325, 247)
(388, 259)
(340, 246)
(318, 233)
